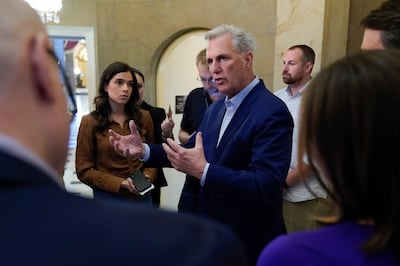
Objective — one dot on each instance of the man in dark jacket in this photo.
(41, 224)
(160, 122)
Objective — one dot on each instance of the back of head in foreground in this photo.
(350, 132)
(32, 102)
(41, 223)
(386, 20)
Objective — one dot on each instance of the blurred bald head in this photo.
(32, 101)
(18, 22)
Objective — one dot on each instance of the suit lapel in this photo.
(238, 119)
(212, 123)
(210, 126)
(215, 127)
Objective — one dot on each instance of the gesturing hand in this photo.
(167, 126)
(129, 145)
(190, 161)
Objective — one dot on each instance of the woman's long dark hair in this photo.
(102, 110)
(350, 132)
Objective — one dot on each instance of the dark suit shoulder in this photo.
(264, 98)
(196, 93)
(214, 244)
(157, 113)
(90, 232)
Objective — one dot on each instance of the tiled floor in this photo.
(72, 184)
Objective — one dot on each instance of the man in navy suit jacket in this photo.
(242, 150)
(43, 225)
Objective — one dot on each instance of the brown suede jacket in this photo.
(98, 165)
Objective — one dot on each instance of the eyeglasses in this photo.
(72, 108)
(204, 80)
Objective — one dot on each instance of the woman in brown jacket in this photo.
(98, 165)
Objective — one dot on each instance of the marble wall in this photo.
(138, 31)
(322, 25)
(298, 22)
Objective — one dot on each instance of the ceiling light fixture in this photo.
(47, 9)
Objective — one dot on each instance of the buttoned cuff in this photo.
(203, 176)
(146, 153)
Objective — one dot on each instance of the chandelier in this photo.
(47, 9)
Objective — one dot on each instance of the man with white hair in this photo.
(241, 152)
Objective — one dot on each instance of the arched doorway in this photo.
(176, 76)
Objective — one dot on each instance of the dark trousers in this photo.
(189, 195)
(155, 196)
(103, 195)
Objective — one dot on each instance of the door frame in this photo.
(88, 34)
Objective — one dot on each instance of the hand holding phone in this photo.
(141, 182)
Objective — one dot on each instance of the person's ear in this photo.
(248, 57)
(309, 66)
(43, 69)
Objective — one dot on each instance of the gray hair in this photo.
(242, 40)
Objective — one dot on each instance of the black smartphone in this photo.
(141, 182)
